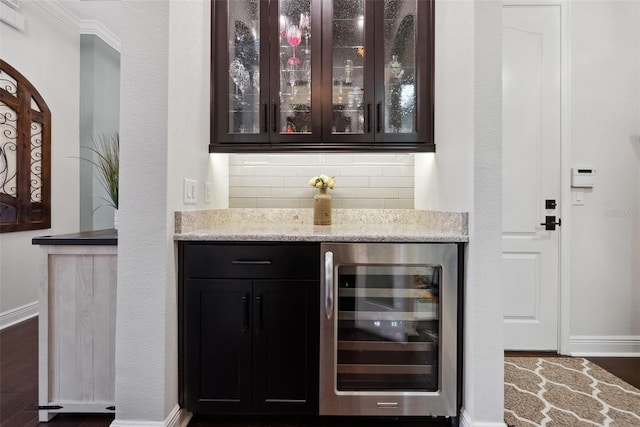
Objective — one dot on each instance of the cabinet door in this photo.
(240, 71)
(218, 347)
(295, 31)
(286, 345)
(348, 75)
(404, 72)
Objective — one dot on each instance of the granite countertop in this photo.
(348, 225)
(98, 237)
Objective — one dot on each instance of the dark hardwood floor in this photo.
(19, 391)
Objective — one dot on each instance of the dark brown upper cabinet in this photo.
(322, 75)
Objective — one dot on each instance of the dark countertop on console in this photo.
(98, 237)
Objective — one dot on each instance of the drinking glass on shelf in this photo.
(305, 29)
(284, 24)
(293, 38)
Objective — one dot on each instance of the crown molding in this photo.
(80, 26)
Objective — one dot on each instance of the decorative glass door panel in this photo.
(295, 50)
(388, 325)
(400, 66)
(348, 72)
(243, 23)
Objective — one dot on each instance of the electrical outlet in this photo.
(207, 192)
(190, 191)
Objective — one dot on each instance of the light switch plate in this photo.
(190, 191)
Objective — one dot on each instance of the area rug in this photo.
(566, 392)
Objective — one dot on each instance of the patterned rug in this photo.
(566, 392)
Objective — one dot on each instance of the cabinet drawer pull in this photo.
(369, 118)
(379, 117)
(250, 262)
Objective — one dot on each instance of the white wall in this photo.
(465, 175)
(363, 181)
(47, 53)
(605, 134)
(164, 138)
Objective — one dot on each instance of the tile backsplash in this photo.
(363, 181)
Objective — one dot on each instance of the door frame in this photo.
(564, 254)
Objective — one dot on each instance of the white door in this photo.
(531, 175)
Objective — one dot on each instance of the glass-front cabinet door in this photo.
(296, 81)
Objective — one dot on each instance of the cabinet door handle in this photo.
(266, 117)
(245, 314)
(379, 117)
(328, 284)
(250, 262)
(369, 117)
(275, 118)
(260, 313)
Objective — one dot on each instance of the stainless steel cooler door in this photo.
(388, 329)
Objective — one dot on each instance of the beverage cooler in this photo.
(390, 329)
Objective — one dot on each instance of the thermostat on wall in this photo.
(582, 177)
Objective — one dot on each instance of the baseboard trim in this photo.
(177, 418)
(604, 345)
(17, 315)
(466, 421)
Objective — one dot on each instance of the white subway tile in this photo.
(308, 203)
(239, 170)
(352, 181)
(406, 193)
(290, 159)
(360, 170)
(278, 203)
(289, 192)
(392, 182)
(332, 159)
(398, 203)
(262, 181)
(363, 204)
(235, 181)
(368, 193)
(248, 159)
(249, 192)
(273, 170)
(242, 203)
(398, 171)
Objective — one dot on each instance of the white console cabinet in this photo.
(77, 327)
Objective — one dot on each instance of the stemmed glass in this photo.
(305, 28)
(294, 38)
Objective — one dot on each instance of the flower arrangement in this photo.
(322, 181)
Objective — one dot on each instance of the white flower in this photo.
(322, 181)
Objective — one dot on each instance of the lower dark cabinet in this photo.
(250, 345)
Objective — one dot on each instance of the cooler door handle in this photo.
(328, 284)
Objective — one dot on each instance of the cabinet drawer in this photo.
(248, 261)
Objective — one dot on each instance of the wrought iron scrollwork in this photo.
(25, 157)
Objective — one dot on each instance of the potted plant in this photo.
(106, 159)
